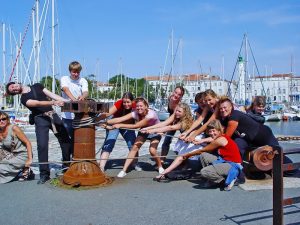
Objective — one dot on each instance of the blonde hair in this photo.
(187, 119)
(215, 124)
(75, 66)
(211, 93)
(4, 114)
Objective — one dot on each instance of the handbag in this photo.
(31, 119)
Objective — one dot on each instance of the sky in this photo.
(134, 36)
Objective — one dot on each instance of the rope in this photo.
(19, 50)
(84, 160)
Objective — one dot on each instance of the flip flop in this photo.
(161, 178)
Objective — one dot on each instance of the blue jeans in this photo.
(111, 138)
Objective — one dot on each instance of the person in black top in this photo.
(245, 130)
(256, 109)
(36, 99)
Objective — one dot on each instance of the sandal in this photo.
(161, 178)
(27, 174)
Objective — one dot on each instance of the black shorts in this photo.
(150, 136)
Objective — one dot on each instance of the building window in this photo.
(198, 88)
(283, 91)
(255, 92)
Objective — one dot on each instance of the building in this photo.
(279, 88)
(193, 84)
(102, 87)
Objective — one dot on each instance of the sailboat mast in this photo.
(172, 56)
(222, 67)
(3, 53)
(136, 94)
(121, 79)
(37, 39)
(53, 50)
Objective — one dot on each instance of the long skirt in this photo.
(13, 163)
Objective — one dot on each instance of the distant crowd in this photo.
(214, 141)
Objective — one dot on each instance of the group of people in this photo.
(217, 139)
(40, 101)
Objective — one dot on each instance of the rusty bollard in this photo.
(260, 159)
(86, 172)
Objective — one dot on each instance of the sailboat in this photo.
(21, 67)
(161, 105)
(243, 92)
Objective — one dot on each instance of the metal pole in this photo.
(53, 49)
(278, 187)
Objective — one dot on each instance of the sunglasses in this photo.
(3, 119)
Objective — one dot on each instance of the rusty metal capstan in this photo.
(261, 158)
(86, 172)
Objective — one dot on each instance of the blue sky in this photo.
(132, 36)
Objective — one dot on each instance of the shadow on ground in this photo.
(259, 215)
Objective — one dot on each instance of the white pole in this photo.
(223, 63)
(121, 79)
(34, 45)
(3, 53)
(53, 49)
(37, 40)
(172, 57)
(3, 60)
(136, 94)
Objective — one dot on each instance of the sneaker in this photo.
(161, 170)
(137, 167)
(43, 179)
(229, 186)
(121, 174)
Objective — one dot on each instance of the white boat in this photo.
(161, 111)
(289, 115)
(273, 117)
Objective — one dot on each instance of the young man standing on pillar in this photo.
(74, 88)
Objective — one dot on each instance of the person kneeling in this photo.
(218, 170)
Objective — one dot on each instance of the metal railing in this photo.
(278, 168)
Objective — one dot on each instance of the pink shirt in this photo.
(151, 117)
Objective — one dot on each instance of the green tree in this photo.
(138, 87)
(47, 82)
